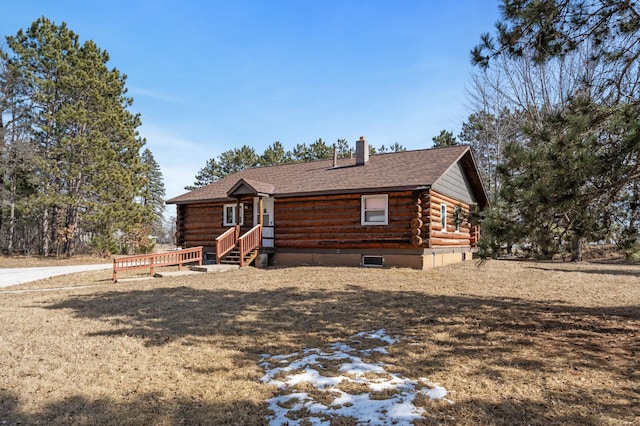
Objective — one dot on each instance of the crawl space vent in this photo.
(372, 260)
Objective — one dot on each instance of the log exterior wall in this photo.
(199, 224)
(448, 236)
(330, 225)
(334, 222)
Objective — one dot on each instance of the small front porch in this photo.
(242, 250)
(235, 249)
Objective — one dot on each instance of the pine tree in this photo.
(87, 151)
(396, 147)
(445, 138)
(153, 191)
(230, 161)
(237, 159)
(572, 67)
(16, 155)
(344, 150)
(206, 175)
(274, 154)
(318, 150)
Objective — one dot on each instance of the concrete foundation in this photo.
(416, 259)
(262, 261)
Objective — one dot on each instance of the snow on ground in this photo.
(344, 380)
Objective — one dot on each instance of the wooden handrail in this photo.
(169, 258)
(225, 243)
(249, 241)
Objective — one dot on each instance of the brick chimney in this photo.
(362, 152)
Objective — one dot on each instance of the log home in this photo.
(406, 209)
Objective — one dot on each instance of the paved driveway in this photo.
(13, 276)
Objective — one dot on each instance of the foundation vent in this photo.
(372, 261)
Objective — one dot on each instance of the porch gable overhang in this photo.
(250, 187)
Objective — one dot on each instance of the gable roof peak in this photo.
(251, 187)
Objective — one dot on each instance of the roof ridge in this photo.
(319, 160)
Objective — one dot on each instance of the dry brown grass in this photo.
(514, 342)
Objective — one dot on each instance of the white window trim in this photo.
(226, 221)
(386, 209)
(443, 217)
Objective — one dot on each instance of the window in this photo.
(457, 217)
(443, 217)
(229, 214)
(375, 209)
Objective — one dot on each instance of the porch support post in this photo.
(237, 217)
(260, 218)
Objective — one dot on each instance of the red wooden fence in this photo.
(169, 258)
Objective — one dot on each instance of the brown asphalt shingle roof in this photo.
(398, 170)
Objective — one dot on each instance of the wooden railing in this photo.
(169, 258)
(225, 243)
(250, 241)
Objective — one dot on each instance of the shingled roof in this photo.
(406, 170)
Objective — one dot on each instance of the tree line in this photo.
(556, 126)
(74, 172)
(237, 159)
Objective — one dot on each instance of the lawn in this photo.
(506, 343)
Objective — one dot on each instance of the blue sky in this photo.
(208, 76)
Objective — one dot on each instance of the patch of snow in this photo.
(355, 368)
(436, 392)
(314, 377)
(284, 358)
(358, 368)
(341, 347)
(380, 335)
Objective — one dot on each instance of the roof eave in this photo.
(354, 191)
(316, 193)
(198, 201)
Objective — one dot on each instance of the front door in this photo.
(268, 234)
